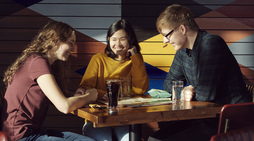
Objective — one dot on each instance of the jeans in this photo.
(186, 130)
(53, 135)
(120, 133)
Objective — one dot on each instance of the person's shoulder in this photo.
(208, 39)
(36, 61)
(210, 36)
(99, 55)
(34, 57)
(212, 42)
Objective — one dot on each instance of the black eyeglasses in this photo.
(171, 32)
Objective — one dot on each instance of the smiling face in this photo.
(65, 48)
(119, 44)
(177, 38)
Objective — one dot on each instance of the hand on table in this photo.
(188, 93)
(92, 93)
(105, 96)
(80, 91)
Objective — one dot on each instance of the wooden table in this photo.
(139, 115)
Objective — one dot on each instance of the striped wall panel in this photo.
(20, 20)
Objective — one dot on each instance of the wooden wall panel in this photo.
(13, 46)
(233, 20)
(8, 58)
(18, 34)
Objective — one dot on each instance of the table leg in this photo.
(135, 132)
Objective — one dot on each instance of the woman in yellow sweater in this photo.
(121, 58)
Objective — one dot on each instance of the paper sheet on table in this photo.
(157, 93)
(140, 102)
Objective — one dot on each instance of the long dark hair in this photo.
(127, 27)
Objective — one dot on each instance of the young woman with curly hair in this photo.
(34, 80)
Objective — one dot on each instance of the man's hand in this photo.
(188, 93)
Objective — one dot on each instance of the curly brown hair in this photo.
(45, 41)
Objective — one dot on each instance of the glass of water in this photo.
(177, 87)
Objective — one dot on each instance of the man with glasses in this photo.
(205, 62)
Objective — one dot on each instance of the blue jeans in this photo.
(53, 135)
(121, 133)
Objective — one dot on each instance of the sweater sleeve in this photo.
(90, 77)
(101, 68)
(140, 81)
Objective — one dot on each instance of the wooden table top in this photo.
(140, 115)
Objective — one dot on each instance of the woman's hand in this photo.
(92, 94)
(188, 93)
(105, 96)
(132, 51)
(80, 91)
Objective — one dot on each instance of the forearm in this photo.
(140, 80)
(82, 90)
(175, 73)
(167, 85)
(76, 102)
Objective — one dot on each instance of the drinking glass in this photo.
(177, 87)
(113, 90)
(126, 88)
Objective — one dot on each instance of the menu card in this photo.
(140, 102)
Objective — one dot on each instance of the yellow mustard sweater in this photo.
(101, 67)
